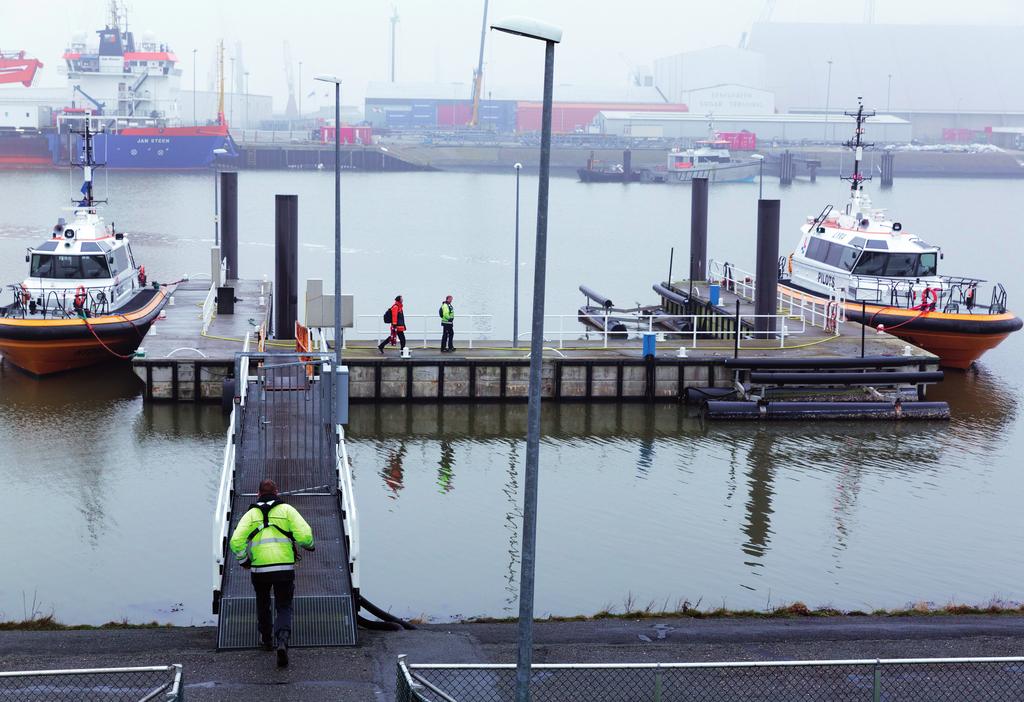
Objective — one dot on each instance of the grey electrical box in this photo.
(320, 307)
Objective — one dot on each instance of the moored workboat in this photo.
(85, 300)
(887, 277)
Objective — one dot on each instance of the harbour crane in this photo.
(478, 75)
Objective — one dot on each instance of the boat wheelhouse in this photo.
(888, 277)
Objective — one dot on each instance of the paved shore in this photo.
(368, 671)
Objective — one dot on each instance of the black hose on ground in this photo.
(381, 614)
(376, 625)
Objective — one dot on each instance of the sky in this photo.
(438, 40)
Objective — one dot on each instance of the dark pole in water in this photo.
(863, 325)
(767, 285)
(286, 275)
(229, 221)
(515, 265)
(627, 165)
(699, 229)
(671, 256)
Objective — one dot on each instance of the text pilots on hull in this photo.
(888, 277)
(131, 88)
(86, 299)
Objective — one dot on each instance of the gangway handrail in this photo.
(350, 517)
(209, 310)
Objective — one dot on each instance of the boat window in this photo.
(897, 265)
(90, 246)
(857, 241)
(848, 257)
(121, 258)
(878, 244)
(834, 255)
(68, 267)
(131, 256)
(48, 246)
(817, 249)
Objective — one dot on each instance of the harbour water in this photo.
(114, 499)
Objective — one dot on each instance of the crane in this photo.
(394, 21)
(478, 75)
(291, 112)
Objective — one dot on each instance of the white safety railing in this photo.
(209, 309)
(350, 518)
(740, 282)
(784, 327)
(146, 684)
(221, 512)
(426, 327)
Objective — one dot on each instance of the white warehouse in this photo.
(813, 128)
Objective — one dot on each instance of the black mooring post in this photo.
(627, 165)
(863, 325)
(229, 221)
(767, 285)
(671, 256)
(286, 270)
(699, 229)
(736, 337)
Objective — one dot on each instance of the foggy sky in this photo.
(438, 40)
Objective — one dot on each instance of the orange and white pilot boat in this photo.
(888, 277)
(85, 300)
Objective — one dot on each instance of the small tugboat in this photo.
(85, 299)
(887, 277)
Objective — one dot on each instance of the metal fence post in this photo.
(876, 687)
(657, 683)
(736, 343)
(177, 692)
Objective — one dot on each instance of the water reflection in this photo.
(513, 523)
(393, 472)
(760, 477)
(446, 467)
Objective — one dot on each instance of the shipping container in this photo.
(739, 141)
(349, 135)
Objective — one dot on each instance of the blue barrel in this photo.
(649, 350)
(714, 293)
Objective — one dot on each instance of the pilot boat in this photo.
(86, 299)
(887, 277)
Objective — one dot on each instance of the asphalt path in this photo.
(368, 672)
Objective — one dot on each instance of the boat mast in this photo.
(220, 71)
(88, 163)
(857, 146)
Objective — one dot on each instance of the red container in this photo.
(349, 135)
(739, 141)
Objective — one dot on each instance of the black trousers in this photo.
(401, 340)
(280, 622)
(447, 334)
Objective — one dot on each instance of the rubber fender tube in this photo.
(783, 410)
(618, 331)
(844, 378)
(827, 362)
(602, 300)
(376, 625)
(697, 395)
(227, 395)
(381, 614)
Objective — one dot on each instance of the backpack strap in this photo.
(265, 508)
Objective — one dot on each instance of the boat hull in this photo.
(588, 175)
(957, 339)
(44, 347)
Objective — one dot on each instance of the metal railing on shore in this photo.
(142, 684)
(426, 327)
(894, 680)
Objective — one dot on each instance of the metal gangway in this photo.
(282, 427)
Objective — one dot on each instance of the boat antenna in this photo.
(857, 146)
(88, 163)
(220, 73)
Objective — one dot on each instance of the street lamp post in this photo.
(247, 99)
(194, 86)
(760, 175)
(515, 290)
(300, 93)
(550, 35)
(216, 198)
(234, 89)
(888, 95)
(828, 94)
(337, 231)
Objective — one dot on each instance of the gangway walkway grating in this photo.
(282, 431)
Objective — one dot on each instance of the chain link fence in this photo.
(163, 683)
(897, 680)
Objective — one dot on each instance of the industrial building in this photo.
(938, 77)
(680, 74)
(788, 128)
(505, 110)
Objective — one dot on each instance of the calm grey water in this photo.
(112, 499)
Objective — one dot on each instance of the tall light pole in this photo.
(216, 197)
(888, 95)
(515, 291)
(247, 99)
(828, 94)
(550, 35)
(337, 230)
(194, 86)
(234, 89)
(300, 92)
(760, 176)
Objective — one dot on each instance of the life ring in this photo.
(831, 316)
(80, 298)
(142, 276)
(790, 267)
(24, 295)
(929, 298)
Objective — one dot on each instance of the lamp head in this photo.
(529, 27)
(327, 78)
(517, 165)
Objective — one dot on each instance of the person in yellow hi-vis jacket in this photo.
(264, 542)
